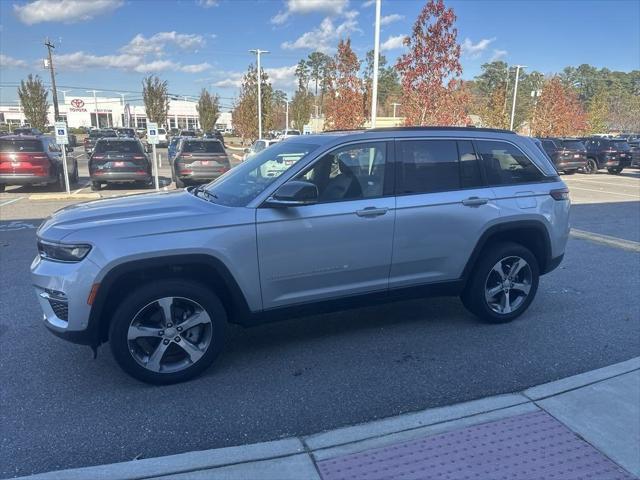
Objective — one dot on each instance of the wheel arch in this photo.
(203, 268)
(530, 233)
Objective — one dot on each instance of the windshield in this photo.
(202, 146)
(118, 147)
(249, 179)
(573, 145)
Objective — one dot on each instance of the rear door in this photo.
(442, 207)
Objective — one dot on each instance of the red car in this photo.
(34, 160)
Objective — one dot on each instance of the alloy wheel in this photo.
(169, 334)
(508, 285)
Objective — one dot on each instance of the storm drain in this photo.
(525, 447)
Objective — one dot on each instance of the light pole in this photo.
(95, 106)
(122, 95)
(515, 94)
(258, 52)
(286, 117)
(394, 104)
(376, 54)
(64, 95)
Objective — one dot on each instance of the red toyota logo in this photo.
(76, 102)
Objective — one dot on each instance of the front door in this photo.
(340, 246)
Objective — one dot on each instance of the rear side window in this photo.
(438, 165)
(548, 145)
(118, 147)
(202, 147)
(21, 146)
(573, 145)
(507, 165)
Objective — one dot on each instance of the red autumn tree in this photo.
(558, 112)
(431, 70)
(344, 100)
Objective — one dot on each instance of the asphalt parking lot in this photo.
(59, 408)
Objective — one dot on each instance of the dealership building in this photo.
(113, 112)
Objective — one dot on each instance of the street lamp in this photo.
(515, 93)
(95, 105)
(376, 54)
(258, 52)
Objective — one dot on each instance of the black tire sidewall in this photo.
(144, 295)
(473, 296)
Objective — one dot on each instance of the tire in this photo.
(142, 304)
(96, 186)
(2, 187)
(180, 183)
(484, 276)
(591, 167)
(60, 185)
(569, 172)
(76, 176)
(615, 170)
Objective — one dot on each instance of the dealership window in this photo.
(141, 122)
(105, 119)
(62, 118)
(191, 122)
(182, 123)
(172, 123)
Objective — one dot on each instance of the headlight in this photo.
(62, 253)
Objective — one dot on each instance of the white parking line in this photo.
(611, 184)
(604, 191)
(80, 189)
(8, 202)
(606, 240)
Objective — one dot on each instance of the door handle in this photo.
(475, 201)
(371, 212)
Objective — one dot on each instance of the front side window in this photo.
(349, 173)
(506, 165)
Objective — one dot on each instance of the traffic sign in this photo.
(152, 133)
(61, 133)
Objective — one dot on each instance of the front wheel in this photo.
(591, 167)
(503, 283)
(615, 170)
(168, 331)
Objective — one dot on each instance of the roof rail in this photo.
(344, 130)
(418, 128)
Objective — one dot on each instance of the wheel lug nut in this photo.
(179, 329)
(161, 333)
(169, 325)
(177, 339)
(165, 341)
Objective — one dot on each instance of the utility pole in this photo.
(286, 121)
(54, 92)
(394, 104)
(258, 52)
(95, 106)
(515, 94)
(376, 55)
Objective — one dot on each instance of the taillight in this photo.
(97, 157)
(560, 194)
(138, 157)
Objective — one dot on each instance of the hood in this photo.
(134, 216)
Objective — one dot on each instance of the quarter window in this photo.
(349, 173)
(506, 165)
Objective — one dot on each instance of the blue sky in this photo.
(113, 44)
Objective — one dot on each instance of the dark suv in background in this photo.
(568, 154)
(94, 136)
(116, 160)
(614, 154)
(34, 160)
(199, 160)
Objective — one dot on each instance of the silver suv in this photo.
(312, 223)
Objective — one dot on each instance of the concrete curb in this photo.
(295, 457)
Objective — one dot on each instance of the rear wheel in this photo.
(2, 187)
(615, 170)
(569, 172)
(168, 331)
(503, 283)
(180, 183)
(95, 186)
(60, 184)
(591, 167)
(75, 178)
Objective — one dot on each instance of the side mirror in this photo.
(295, 193)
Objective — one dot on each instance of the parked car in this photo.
(611, 153)
(34, 160)
(126, 132)
(95, 135)
(141, 132)
(199, 160)
(215, 134)
(162, 138)
(118, 160)
(188, 133)
(358, 218)
(257, 147)
(288, 133)
(26, 131)
(635, 153)
(568, 154)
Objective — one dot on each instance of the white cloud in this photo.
(156, 43)
(195, 68)
(282, 78)
(329, 7)
(387, 19)
(9, 62)
(498, 54)
(324, 38)
(234, 80)
(208, 3)
(368, 3)
(393, 43)
(474, 50)
(67, 11)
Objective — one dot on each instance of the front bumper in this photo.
(25, 179)
(55, 282)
